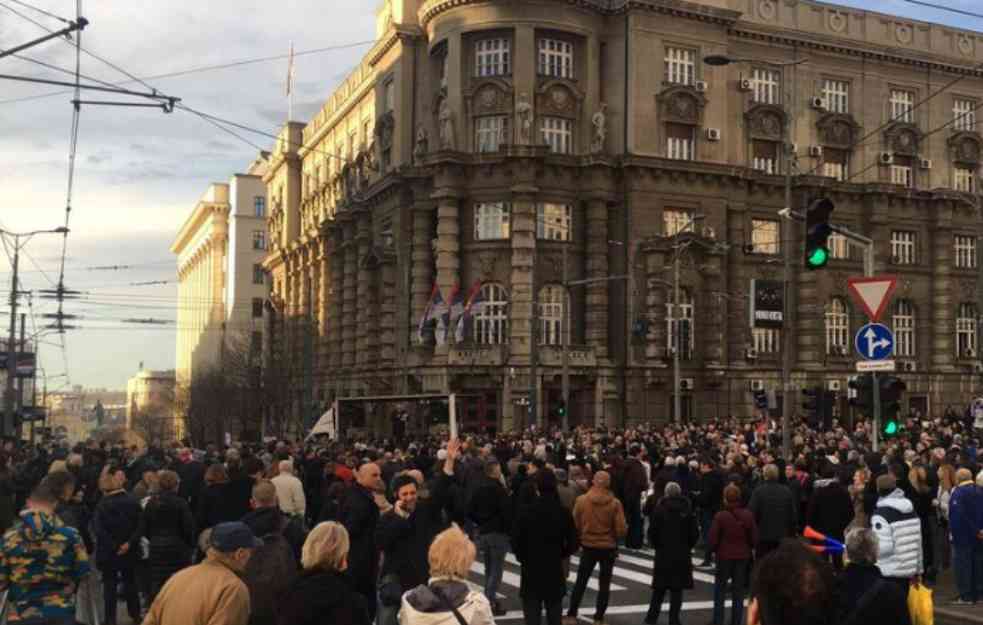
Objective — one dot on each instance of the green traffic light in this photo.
(891, 428)
(818, 257)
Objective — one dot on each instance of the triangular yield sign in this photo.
(873, 294)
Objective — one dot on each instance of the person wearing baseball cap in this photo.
(212, 592)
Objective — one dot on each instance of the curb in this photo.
(959, 616)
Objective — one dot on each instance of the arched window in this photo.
(683, 312)
(551, 315)
(966, 331)
(837, 327)
(491, 321)
(903, 320)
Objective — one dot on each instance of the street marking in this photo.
(592, 583)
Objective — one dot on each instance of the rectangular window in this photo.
(964, 115)
(259, 239)
(366, 133)
(767, 340)
(966, 331)
(766, 236)
(903, 247)
(490, 132)
(765, 84)
(902, 172)
(491, 57)
(765, 156)
(352, 144)
(443, 70)
(679, 142)
(902, 103)
(255, 342)
(558, 134)
(259, 275)
(680, 66)
(554, 221)
(491, 221)
(390, 93)
(835, 164)
(676, 221)
(839, 248)
(836, 93)
(964, 179)
(555, 58)
(257, 307)
(965, 251)
(259, 206)
(903, 321)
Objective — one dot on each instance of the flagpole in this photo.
(290, 85)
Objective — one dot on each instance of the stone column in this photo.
(943, 311)
(421, 276)
(325, 321)
(448, 243)
(349, 303)
(711, 336)
(596, 318)
(657, 340)
(521, 297)
(336, 295)
(735, 324)
(366, 323)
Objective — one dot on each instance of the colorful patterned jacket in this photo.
(41, 562)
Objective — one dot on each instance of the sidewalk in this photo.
(943, 594)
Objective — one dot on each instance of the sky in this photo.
(139, 171)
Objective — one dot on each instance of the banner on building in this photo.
(767, 303)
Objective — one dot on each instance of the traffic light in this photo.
(811, 398)
(891, 389)
(561, 409)
(760, 400)
(826, 408)
(863, 386)
(684, 338)
(817, 233)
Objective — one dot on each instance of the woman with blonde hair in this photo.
(448, 595)
(856, 489)
(323, 593)
(947, 482)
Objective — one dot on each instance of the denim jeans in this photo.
(588, 560)
(633, 515)
(494, 547)
(706, 521)
(967, 563)
(734, 571)
(110, 578)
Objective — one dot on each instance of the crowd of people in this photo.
(384, 530)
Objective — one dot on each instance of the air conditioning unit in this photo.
(815, 151)
(757, 385)
(751, 354)
(926, 163)
(701, 86)
(686, 384)
(744, 84)
(885, 158)
(834, 385)
(713, 134)
(909, 366)
(818, 103)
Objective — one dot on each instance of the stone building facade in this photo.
(479, 138)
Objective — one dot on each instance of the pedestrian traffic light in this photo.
(811, 398)
(684, 338)
(826, 409)
(891, 389)
(863, 387)
(817, 233)
(760, 400)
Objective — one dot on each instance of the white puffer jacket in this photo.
(899, 531)
(421, 607)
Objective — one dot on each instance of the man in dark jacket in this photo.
(192, 474)
(864, 596)
(709, 500)
(490, 510)
(635, 484)
(544, 537)
(405, 534)
(673, 532)
(774, 511)
(272, 567)
(116, 526)
(830, 510)
(359, 515)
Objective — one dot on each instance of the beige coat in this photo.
(209, 593)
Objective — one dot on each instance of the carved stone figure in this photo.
(600, 123)
(422, 144)
(523, 112)
(445, 119)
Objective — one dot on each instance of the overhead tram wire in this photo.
(41, 11)
(945, 8)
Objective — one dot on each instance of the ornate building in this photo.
(522, 146)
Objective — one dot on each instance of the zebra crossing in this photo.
(630, 588)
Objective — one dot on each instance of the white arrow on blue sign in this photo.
(874, 341)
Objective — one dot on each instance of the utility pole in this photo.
(8, 420)
(565, 336)
(534, 351)
(18, 424)
(677, 400)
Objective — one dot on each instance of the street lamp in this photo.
(677, 338)
(720, 60)
(9, 395)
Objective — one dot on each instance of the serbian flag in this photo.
(446, 312)
(434, 306)
(471, 306)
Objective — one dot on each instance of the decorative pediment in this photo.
(903, 138)
(682, 104)
(558, 97)
(838, 130)
(965, 148)
(765, 121)
(491, 96)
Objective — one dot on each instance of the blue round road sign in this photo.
(874, 341)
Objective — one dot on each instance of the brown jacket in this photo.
(600, 519)
(209, 593)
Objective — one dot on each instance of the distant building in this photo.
(150, 399)
(75, 412)
(222, 284)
